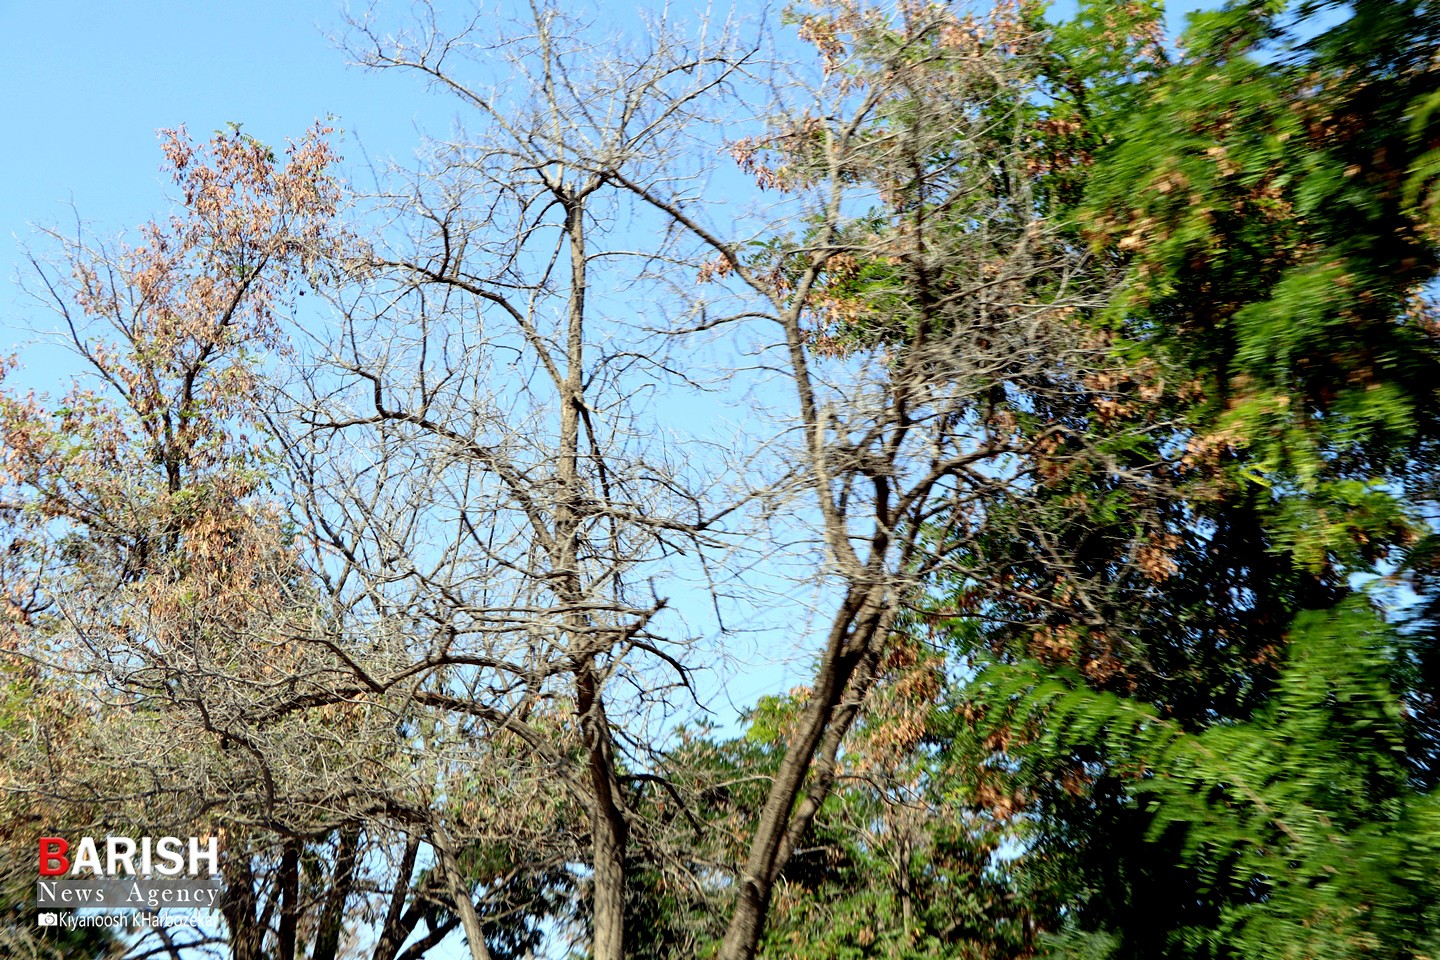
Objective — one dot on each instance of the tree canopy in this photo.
(1084, 401)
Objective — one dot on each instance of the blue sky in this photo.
(88, 84)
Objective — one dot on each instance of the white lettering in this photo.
(152, 897)
(113, 855)
(86, 857)
(53, 894)
(212, 854)
(169, 850)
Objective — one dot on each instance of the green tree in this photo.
(1238, 759)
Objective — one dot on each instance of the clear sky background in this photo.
(88, 83)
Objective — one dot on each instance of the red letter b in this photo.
(53, 862)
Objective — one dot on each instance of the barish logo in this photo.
(125, 857)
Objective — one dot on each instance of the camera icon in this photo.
(49, 919)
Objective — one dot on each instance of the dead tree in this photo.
(494, 519)
(169, 662)
(499, 522)
(926, 319)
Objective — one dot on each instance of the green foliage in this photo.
(1298, 830)
(1227, 752)
(1256, 197)
(900, 863)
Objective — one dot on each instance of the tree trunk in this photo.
(395, 930)
(460, 895)
(327, 939)
(844, 677)
(247, 933)
(288, 884)
(609, 830)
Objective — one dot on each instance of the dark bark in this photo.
(238, 907)
(332, 921)
(288, 884)
(398, 921)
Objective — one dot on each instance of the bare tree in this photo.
(493, 514)
(928, 272)
(908, 295)
(477, 646)
(150, 597)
